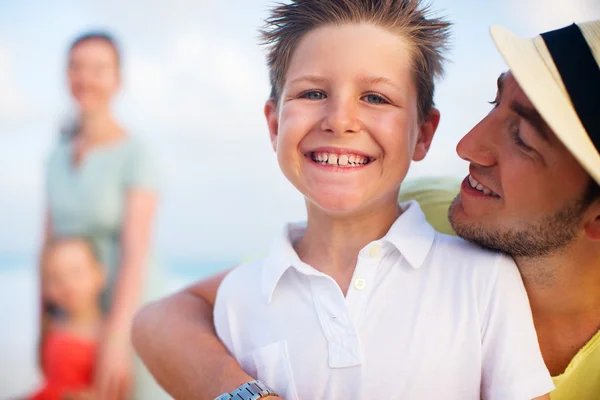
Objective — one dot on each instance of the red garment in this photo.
(68, 365)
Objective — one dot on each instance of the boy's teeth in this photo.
(344, 160)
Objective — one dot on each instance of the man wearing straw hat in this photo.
(533, 192)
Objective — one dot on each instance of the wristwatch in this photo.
(252, 390)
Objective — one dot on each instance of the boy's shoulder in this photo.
(452, 252)
(248, 271)
(245, 278)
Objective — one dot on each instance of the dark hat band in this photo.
(580, 74)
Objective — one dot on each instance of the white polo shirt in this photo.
(427, 316)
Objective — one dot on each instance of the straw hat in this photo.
(560, 73)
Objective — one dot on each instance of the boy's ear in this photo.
(426, 132)
(272, 121)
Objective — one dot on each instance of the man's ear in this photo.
(592, 228)
(426, 132)
(272, 121)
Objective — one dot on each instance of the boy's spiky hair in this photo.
(288, 23)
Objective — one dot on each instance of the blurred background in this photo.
(194, 87)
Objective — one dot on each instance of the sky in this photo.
(195, 83)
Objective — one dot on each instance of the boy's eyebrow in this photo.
(369, 80)
(534, 118)
(373, 80)
(309, 78)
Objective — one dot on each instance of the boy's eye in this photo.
(375, 99)
(313, 95)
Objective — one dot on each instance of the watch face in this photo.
(248, 391)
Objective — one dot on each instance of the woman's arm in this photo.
(176, 339)
(113, 371)
(44, 320)
(140, 210)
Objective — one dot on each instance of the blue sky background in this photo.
(194, 88)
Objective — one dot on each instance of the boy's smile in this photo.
(346, 126)
(342, 158)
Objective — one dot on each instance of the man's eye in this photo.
(515, 134)
(375, 99)
(494, 103)
(313, 95)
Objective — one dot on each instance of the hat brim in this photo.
(548, 96)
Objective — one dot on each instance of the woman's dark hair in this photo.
(101, 36)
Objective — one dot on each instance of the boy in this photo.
(366, 300)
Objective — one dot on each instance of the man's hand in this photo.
(176, 339)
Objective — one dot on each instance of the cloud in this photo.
(13, 103)
(536, 16)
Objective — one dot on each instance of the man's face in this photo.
(524, 194)
(346, 126)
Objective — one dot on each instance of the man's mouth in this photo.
(345, 160)
(479, 187)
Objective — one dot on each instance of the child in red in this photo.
(72, 281)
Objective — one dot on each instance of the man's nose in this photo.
(477, 146)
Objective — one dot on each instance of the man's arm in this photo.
(176, 339)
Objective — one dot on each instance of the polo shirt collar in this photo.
(410, 234)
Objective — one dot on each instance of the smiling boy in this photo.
(365, 300)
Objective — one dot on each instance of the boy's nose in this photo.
(341, 117)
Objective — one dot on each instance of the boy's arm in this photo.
(176, 339)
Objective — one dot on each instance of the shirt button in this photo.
(375, 250)
(360, 283)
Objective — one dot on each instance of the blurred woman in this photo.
(102, 184)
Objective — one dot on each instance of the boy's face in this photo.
(72, 279)
(346, 126)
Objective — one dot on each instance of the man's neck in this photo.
(564, 293)
(564, 284)
(331, 243)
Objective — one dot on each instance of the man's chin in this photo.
(479, 236)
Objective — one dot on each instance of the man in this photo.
(533, 192)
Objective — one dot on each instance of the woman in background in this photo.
(102, 184)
